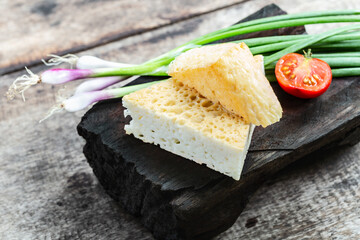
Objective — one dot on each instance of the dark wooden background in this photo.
(48, 191)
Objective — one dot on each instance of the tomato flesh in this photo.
(303, 77)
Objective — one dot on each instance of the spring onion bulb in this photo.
(85, 99)
(90, 62)
(83, 62)
(60, 76)
(98, 84)
(81, 101)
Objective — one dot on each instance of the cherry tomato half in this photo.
(303, 77)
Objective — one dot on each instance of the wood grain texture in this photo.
(48, 191)
(31, 30)
(319, 200)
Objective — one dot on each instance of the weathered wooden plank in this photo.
(31, 30)
(48, 190)
(319, 199)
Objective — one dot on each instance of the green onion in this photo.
(342, 62)
(290, 20)
(274, 46)
(340, 54)
(346, 72)
(340, 38)
(300, 45)
(274, 25)
(151, 66)
(253, 42)
(287, 17)
(334, 62)
(342, 44)
(270, 46)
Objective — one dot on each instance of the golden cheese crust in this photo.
(230, 75)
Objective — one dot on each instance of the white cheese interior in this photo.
(180, 120)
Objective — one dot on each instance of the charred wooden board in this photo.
(176, 198)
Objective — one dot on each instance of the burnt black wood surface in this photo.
(176, 198)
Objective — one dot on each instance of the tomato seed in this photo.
(313, 80)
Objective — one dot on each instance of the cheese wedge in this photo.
(180, 120)
(228, 73)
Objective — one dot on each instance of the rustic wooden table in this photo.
(47, 189)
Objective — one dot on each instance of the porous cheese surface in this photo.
(180, 120)
(229, 74)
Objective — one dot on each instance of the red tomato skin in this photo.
(298, 89)
(302, 93)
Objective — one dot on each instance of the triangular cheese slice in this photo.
(228, 73)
